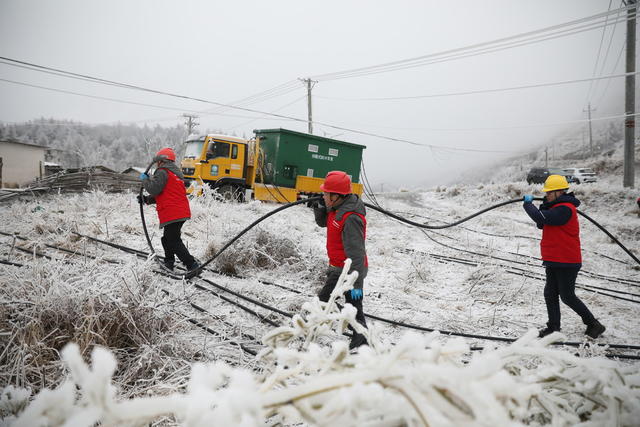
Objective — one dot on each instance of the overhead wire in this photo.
(494, 128)
(475, 92)
(272, 111)
(109, 82)
(479, 48)
(606, 56)
(122, 101)
(595, 66)
(281, 116)
(615, 66)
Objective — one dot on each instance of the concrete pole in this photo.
(589, 110)
(309, 107)
(629, 107)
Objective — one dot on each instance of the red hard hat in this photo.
(337, 182)
(166, 153)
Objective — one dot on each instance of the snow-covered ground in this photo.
(469, 278)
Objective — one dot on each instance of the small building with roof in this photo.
(20, 163)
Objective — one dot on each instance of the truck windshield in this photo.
(193, 149)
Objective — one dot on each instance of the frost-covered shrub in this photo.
(420, 380)
(53, 304)
(258, 249)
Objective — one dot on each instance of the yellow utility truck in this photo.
(276, 165)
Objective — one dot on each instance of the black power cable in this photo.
(438, 227)
(392, 322)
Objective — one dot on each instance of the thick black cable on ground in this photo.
(392, 322)
(281, 208)
(197, 271)
(382, 319)
(438, 227)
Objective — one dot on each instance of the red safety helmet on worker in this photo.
(337, 182)
(165, 154)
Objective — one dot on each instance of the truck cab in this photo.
(220, 161)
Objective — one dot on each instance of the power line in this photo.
(485, 50)
(606, 55)
(263, 114)
(274, 92)
(615, 66)
(474, 92)
(251, 110)
(480, 48)
(122, 101)
(493, 128)
(595, 66)
(272, 111)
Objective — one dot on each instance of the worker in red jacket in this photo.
(343, 214)
(561, 253)
(167, 190)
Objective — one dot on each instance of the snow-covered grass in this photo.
(141, 316)
(417, 381)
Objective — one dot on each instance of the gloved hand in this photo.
(356, 294)
(316, 203)
(143, 176)
(528, 198)
(147, 200)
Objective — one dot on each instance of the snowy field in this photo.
(480, 278)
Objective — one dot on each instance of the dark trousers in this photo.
(329, 285)
(561, 284)
(173, 246)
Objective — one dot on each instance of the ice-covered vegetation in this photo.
(151, 362)
(417, 381)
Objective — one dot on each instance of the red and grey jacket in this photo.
(168, 189)
(560, 244)
(346, 233)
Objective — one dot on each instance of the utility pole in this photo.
(190, 123)
(589, 110)
(630, 93)
(546, 157)
(310, 83)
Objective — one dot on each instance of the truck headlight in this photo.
(214, 170)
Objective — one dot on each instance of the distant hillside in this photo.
(116, 146)
(568, 149)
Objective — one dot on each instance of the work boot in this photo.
(595, 329)
(194, 265)
(357, 340)
(546, 331)
(168, 265)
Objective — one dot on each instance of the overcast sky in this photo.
(224, 51)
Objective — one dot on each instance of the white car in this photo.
(582, 174)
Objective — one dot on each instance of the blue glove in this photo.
(528, 198)
(356, 294)
(143, 176)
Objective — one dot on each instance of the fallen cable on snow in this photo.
(311, 377)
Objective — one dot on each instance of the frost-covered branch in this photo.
(311, 378)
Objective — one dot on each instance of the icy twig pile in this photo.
(420, 380)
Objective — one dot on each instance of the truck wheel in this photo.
(231, 193)
(226, 192)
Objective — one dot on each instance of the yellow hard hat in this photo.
(555, 182)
